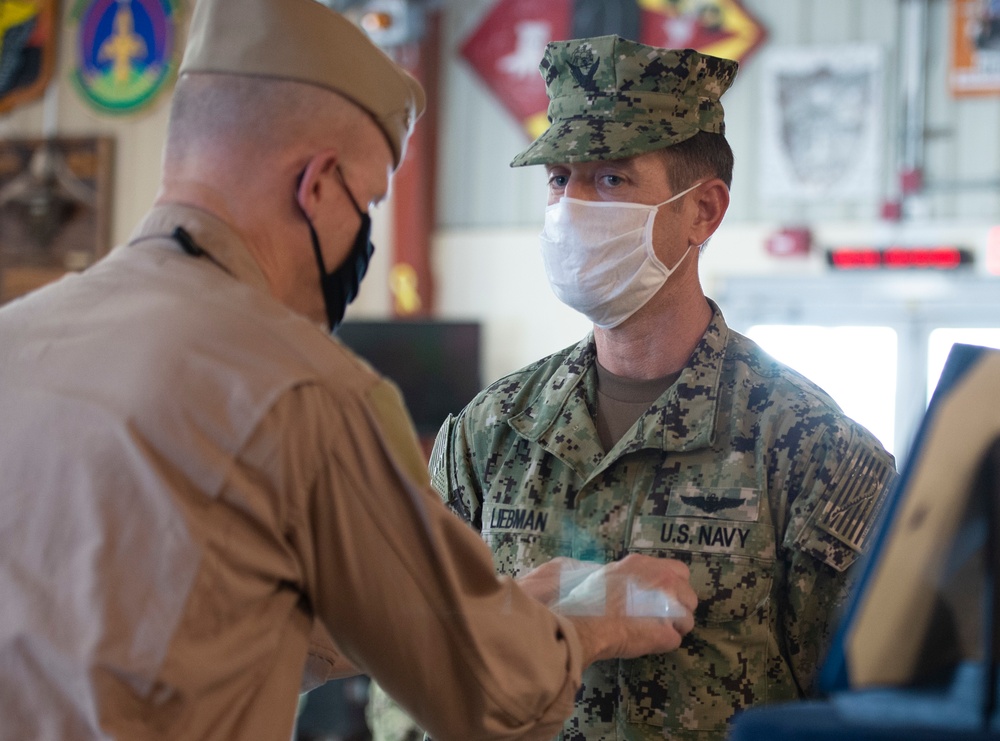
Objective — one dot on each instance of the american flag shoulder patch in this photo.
(851, 513)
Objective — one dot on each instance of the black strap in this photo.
(187, 242)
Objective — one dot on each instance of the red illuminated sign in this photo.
(849, 259)
(993, 251)
(895, 258)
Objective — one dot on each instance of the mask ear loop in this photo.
(313, 236)
(340, 176)
(649, 231)
(682, 193)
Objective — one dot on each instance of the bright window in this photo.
(854, 365)
(939, 345)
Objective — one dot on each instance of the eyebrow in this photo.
(627, 165)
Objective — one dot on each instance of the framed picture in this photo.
(54, 209)
(821, 133)
(975, 48)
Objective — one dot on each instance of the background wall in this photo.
(138, 139)
(485, 250)
(477, 189)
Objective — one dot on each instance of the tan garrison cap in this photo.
(611, 98)
(304, 41)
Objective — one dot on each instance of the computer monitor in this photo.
(922, 598)
(436, 364)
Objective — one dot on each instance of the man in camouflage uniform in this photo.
(664, 432)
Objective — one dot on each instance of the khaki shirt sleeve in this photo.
(407, 590)
(324, 661)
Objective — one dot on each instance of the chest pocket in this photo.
(721, 535)
(731, 563)
(521, 538)
(721, 666)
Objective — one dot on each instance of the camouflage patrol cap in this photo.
(612, 98)
(304, 41)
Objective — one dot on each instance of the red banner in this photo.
(509, 42)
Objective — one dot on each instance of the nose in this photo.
(580, 188)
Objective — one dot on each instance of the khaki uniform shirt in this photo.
(191, 475)
(743, 469)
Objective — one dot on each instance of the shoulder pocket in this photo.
(836, 531)
(440, 455)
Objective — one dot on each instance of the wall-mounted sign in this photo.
(125, 53)
(975, 47)
(508, 44)
(54, 209)
(794, 241)
(28, 34)
(722, 28)
(821, 132)
(506, 48)
(943, 257)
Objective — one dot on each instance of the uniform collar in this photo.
(558, 419)
(566, 381)
(682, 419)
(209, 232)
(686, 412)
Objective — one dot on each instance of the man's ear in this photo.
(313, 181)
(712, 202)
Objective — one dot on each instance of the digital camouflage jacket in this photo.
(743, 468)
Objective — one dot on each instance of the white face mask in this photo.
(599, 256)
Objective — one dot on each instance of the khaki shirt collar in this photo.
(209, 232)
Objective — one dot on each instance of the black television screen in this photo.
(436, 364)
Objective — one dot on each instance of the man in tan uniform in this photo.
(197, 479)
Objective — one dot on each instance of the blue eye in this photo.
(558, 181)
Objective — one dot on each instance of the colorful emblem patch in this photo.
(27, 50)
(125, 52)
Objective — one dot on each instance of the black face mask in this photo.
(340, 287)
